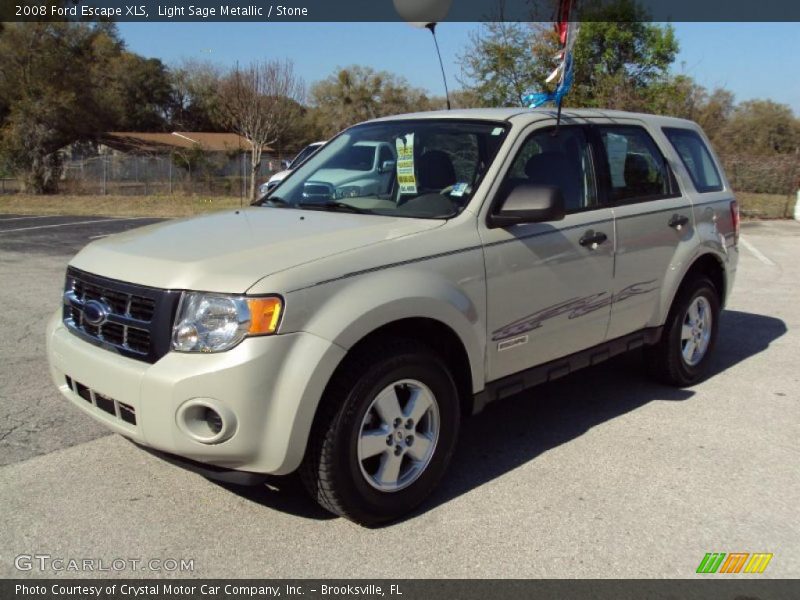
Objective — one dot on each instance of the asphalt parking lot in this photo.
(603, 474)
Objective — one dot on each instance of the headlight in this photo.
(217, 322)
(348, 191)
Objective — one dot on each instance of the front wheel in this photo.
(384, 435)
(682, 355)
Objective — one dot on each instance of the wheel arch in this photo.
(436, 335)
(707, 264)
(409, 303)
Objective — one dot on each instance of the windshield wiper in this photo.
(274, 199)
(333, 206)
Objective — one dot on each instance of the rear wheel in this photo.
(384, 435)
(682, 355)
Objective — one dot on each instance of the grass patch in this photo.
(116, 206)
(766, 206)
(756, 206)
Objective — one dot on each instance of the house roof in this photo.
(134, 141)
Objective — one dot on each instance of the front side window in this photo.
(696, 158)
(637, 169)
(561, 158)
(421, 168)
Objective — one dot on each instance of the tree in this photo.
(620, 46)
(465, 98)
(714, 111)
(195, 98)
(499, 66)
(617, 57)
(257, 102)
(762, 128)
(674, 95)
(140, 90)
(357, 93)
(297, 132)
(50, 88)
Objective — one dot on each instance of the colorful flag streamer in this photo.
(563, 73)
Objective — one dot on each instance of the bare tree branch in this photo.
(257, 102)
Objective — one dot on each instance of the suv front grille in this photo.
(133, 320)
(138, 307)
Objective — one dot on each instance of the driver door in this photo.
(549, 284)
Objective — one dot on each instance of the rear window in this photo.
(696, 158)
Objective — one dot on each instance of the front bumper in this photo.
(270, 386)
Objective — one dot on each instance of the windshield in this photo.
(303, 154)
(422, 168)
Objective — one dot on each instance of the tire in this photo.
(361, 463)
(682, 355)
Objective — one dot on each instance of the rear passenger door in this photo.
(652, 218)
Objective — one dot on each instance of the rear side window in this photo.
(696, 158)
(636, 167)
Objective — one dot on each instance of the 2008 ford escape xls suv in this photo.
(343, 331)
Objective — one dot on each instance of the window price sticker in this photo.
(405, 164)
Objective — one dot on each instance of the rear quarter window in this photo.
(696, 158)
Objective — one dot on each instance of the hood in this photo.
(230, 251)
(279, 176)
(337, 177)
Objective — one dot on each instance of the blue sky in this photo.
(753, 60)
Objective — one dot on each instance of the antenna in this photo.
(432, 27)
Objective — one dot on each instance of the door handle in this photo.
(592, 239)
(678, 221)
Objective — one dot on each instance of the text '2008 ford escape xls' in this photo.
(342, 327)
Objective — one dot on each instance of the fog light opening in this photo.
(205, 423)
(213, 420)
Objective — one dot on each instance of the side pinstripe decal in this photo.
(410, 261)
(500, 243)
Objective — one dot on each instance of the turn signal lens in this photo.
(265, 313)
(737, 221)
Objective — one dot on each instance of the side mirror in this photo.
(387, 166)
(529, 203)
(321, 191)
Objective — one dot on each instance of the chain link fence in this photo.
(767, 175)
(135, 175)
(10, 185)
(229, 175)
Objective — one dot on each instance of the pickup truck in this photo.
(289, 166)
(344, 330)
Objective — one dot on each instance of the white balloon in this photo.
(421, 13)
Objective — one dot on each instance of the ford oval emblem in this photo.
(95, 312)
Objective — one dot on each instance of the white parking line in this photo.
(2, 220)
(68, 224)
(756, 252)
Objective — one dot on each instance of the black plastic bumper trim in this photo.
(208, 471)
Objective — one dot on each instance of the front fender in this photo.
(346, 311)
